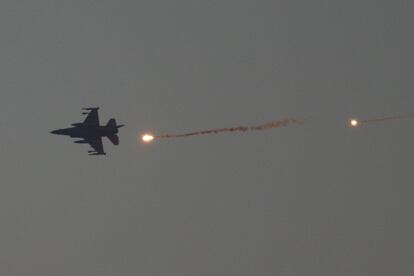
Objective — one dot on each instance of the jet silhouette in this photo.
(92, 132)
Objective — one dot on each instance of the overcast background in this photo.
(321, 199)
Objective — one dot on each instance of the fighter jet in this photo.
(91, 132)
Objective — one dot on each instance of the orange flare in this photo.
(147, 138)
(354, 122)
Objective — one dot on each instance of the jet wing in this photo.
(96, 144)
(93, 118)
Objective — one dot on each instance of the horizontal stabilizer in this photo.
(114, 139)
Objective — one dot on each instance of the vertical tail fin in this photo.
(111, 123)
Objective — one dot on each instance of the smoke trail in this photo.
(387, 118)
(282, 123)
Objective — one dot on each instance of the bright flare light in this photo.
(354, 122)
(147, 138)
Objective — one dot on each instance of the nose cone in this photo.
(57, 131)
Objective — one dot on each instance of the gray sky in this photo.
(321, 199)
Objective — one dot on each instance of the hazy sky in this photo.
(321, 199)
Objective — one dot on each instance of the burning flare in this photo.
(354, 122)
(147, 138)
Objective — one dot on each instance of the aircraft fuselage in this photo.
(86, 131)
